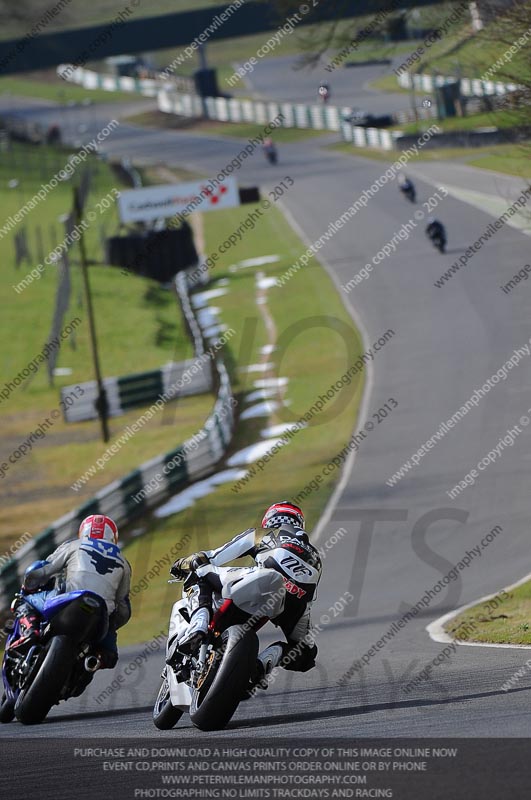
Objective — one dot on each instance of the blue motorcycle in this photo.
(52, 656)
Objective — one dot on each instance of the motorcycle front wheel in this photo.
(165, 716)
(232, 664)
(7, 709)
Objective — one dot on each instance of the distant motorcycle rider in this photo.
(324, 92)
(436, 232)
(435, 228)
(407, 187)
(283, 546)
(270, 151)
(91, 562)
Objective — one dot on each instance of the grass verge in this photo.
(488, 119)
(509, 160)
(502, 620)
(47, 85)
(388, 83)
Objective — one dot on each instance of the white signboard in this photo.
(154, 202)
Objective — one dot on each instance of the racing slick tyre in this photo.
(34, 703)
(216, 699)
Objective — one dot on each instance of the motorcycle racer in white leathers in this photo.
(284, 547)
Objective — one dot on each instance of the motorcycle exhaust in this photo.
(92, 663)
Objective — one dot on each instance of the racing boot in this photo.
(266, 662)
(196, 631)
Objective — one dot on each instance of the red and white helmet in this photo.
(97, 526)
(283, 513)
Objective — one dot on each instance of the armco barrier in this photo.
(299, 115)
(123, 83)
(369, 137)
(470, 87)
(133, 391)
(109, 83)
(193, 459)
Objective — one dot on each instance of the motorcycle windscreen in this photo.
(180, 693)
(177, 628)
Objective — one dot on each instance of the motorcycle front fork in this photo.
(203, 650)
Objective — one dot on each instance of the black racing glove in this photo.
(183, 566)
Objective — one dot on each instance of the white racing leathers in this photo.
(89, 564)
(286, 550)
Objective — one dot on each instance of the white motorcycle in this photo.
(210, 683)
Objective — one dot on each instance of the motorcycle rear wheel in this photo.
(34, 703)
(215, 702)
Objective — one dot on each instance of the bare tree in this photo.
(508, 32)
